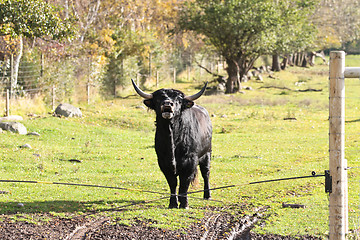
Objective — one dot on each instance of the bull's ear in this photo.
(149, 103)
(188, 103)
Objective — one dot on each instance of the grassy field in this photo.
(251, 142)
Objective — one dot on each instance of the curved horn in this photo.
(140, 92)
(197, 95)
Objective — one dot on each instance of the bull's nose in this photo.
(167, 109)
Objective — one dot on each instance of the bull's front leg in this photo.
(183, 190)
(172, 181)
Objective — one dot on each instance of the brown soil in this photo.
(214, 226)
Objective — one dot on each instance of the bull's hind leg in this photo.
(205, 172)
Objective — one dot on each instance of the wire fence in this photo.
(79, 80)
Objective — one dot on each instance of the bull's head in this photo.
(168, 102)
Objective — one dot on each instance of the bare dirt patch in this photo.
(216, 225)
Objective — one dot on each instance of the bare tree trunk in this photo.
(66, 8)
(312, 58)
(85, 24)
(232, 70)
(275, 63)
(297, 59)
(304, 60)
(14, 78)
(284, 62)
(290, 61)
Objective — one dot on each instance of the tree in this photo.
(31, 19)
(297, 33)
(338, 23)
(240, 30)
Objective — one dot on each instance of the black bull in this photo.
(182, 140)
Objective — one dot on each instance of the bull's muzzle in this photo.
(167, 109)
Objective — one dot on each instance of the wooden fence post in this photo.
(188, 70)
(88, 92)
(138, 79)
(7, 103)
(53, 98)
(338, 202)
(88, 82)
(174, 75)
(157, 79)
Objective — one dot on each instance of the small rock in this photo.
(26, 146)
(223, 116)
(255, 73)
(221, 87)
(4, 192)
(33, 134)
(289, 205)
(20, 205)
(34, 115)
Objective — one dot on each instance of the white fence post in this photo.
(338, 202)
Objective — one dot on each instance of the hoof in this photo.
(207, 195)
(184, 207)
(172, 206)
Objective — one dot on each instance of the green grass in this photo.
(251, 142)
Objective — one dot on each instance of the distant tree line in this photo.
(106, 42)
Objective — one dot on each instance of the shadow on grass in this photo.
(69, 206)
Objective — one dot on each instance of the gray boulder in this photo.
(11, 118)
(68, 110)
(14, 127)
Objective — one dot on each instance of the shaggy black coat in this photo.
(182, 142)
